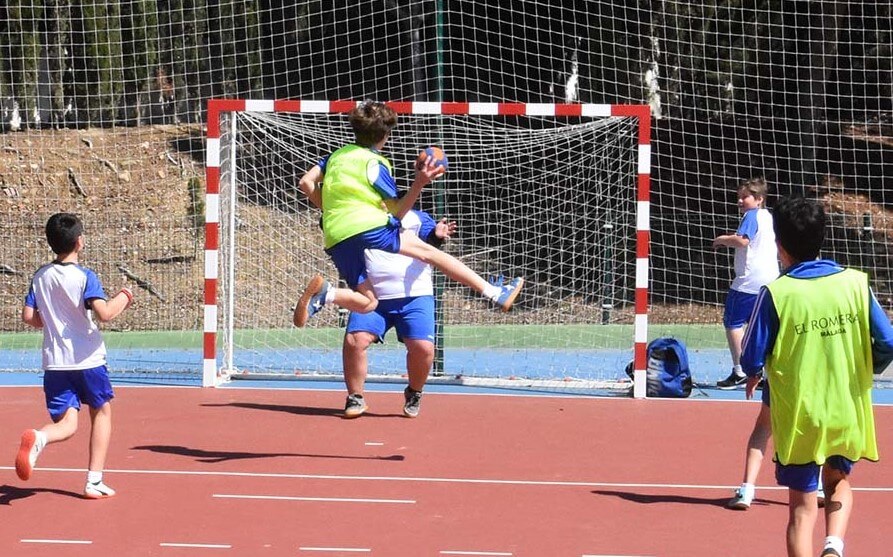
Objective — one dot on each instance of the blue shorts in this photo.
(739, 306)
(349, 255)
(68, 389)
(805, 477)
(412, 318)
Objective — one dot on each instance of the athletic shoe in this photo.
(733, 381)
(355, 406)
(312, 300)
(509, 293)
(98, 491)
(741, 501)
(830, 552)
(820, 498)
(413, 402)
(26, 458)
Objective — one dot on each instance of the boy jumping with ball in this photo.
(355, 188)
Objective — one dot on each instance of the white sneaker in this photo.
(98, 491)
(741, 501)
(29, 449)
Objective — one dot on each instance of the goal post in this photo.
(558, 193)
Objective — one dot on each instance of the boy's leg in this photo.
(756, 448)
(734, 337)
(412, 246)
(100, 437)
(838, 505)
(419, 359)
(318, 293)
(801, 481)
(802, 512)
(34, 441)
(356, 365)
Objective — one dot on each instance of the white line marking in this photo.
(81, 542)
(374, 444)
(457, 552)
(322, 499)
(197, 545)
(432, 480)
(344, 549)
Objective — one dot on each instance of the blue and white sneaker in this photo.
(312, 300)
(509, 293)
(741, 501)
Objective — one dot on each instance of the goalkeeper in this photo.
(355, 189)
(406, 303)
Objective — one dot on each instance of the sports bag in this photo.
(667, 372)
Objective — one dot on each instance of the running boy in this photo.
(61, 299)
(405, 291)
(756, 264)
(819, 332)
(355, 189)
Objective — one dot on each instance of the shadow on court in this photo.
(9, 493)
(299, 410)
(647, 499)
(201, 455)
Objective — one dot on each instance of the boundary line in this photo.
(411, 479)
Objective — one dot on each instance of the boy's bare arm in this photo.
(32, 317)
(731, 241)
(106, 310)
(425, 174)
(308, 185)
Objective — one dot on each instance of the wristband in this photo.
(128, 293)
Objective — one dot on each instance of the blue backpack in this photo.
(667, 372)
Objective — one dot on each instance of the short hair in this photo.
(63, 231)
(371, 122)
(756, 186)
(799, 225)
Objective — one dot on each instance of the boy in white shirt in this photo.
(756, 264)
(62, 300)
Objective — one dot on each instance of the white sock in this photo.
(835, 543)
(40, 439)
(491, 292)
(738, 371)
(749, 489)
(94, 477)
(330, 296)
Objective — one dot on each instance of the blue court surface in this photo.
(708, 366)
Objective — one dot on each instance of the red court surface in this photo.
(208, 472)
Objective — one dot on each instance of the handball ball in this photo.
(437, 154)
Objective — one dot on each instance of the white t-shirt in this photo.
(757, 264)
(398, 276)
(71, 340)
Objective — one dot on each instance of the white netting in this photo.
(543, 198)
(798, 91)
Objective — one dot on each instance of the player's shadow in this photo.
(202, 455)
(648, 499)
(9, 493)
(299, 410)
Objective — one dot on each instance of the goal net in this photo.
(547, 192)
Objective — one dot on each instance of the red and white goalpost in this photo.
(558, 193)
